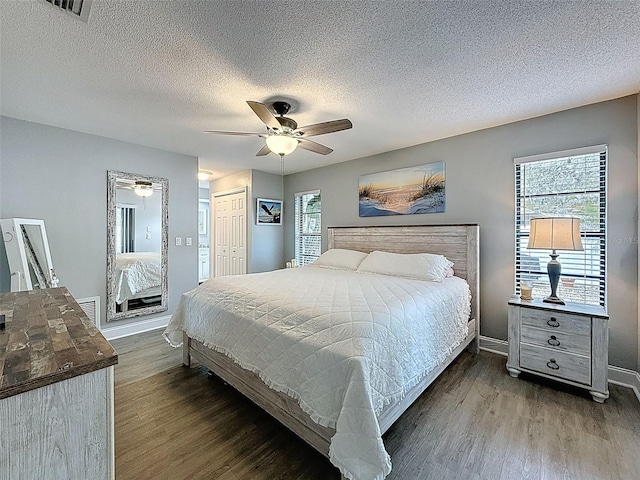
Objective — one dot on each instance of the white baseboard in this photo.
(493, 345)
(136, 327)
(617, 376)
(625, 378)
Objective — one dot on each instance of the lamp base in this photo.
(553, 269)
(554, 299)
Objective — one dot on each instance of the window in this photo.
(307, 226)
(573, 184)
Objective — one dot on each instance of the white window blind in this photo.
(572, 184)
(308, 226)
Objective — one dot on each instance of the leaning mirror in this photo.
(137, 241)
(28, 255)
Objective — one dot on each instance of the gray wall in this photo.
(267, 246)
(480, 189)
(265, 243)
(61, 176)
(148, 214)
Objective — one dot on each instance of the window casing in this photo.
(308, 226)
(572, 184)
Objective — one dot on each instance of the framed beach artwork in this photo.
(268, 212)
(405, 191)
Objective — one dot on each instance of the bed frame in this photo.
(459, 243)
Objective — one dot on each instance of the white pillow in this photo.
(340, 258)
(421, 266)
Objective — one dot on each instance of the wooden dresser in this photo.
(56, 390)
(567, 343)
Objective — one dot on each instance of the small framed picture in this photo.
(268, 212)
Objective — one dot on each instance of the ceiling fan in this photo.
(283, 134)
(141, 188)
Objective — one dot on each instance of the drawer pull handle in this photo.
(553, 341)
(553, 322)
(552, 364)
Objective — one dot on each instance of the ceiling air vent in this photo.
(78, 8)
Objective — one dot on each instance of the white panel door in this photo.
(230, 245)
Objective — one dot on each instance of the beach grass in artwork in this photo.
(405, 191)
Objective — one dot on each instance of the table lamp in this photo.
(555, 233)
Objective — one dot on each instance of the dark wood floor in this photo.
(474, 422)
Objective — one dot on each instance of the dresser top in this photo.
(47, 338)
(576, 308)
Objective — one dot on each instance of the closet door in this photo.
(230, 233)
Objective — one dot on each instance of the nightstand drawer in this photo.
(549, 338)
(556, 321)
(558, 364)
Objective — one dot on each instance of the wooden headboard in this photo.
(459, 243)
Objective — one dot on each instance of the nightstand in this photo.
(568, 343)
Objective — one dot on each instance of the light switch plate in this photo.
(178, 241)
(188, 241)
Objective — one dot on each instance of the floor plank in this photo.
(474, 422)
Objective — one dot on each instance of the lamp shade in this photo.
(281, 144)
(555, 233)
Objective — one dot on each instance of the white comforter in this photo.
(135, 272)
(344, 344)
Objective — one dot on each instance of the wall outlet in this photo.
(188, 241)
(178, 241)
(147, 236)
(148, 229)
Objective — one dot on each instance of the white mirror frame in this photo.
(112, 314)
(16, 252)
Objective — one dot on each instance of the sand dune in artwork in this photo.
(400, 201)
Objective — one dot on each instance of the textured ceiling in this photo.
(158, 73)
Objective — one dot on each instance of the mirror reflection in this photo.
(28, 254)
(137, 257)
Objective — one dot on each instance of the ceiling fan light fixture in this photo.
(143, 189)
(204, 175)
(281, 144)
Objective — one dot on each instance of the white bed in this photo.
(341, 352)
(138, 275)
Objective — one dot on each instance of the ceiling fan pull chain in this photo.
(282, 173)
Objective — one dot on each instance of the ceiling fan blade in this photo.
(265, 115)
(263, 151)
(314, 146)
(242, 134)
(324, 127)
